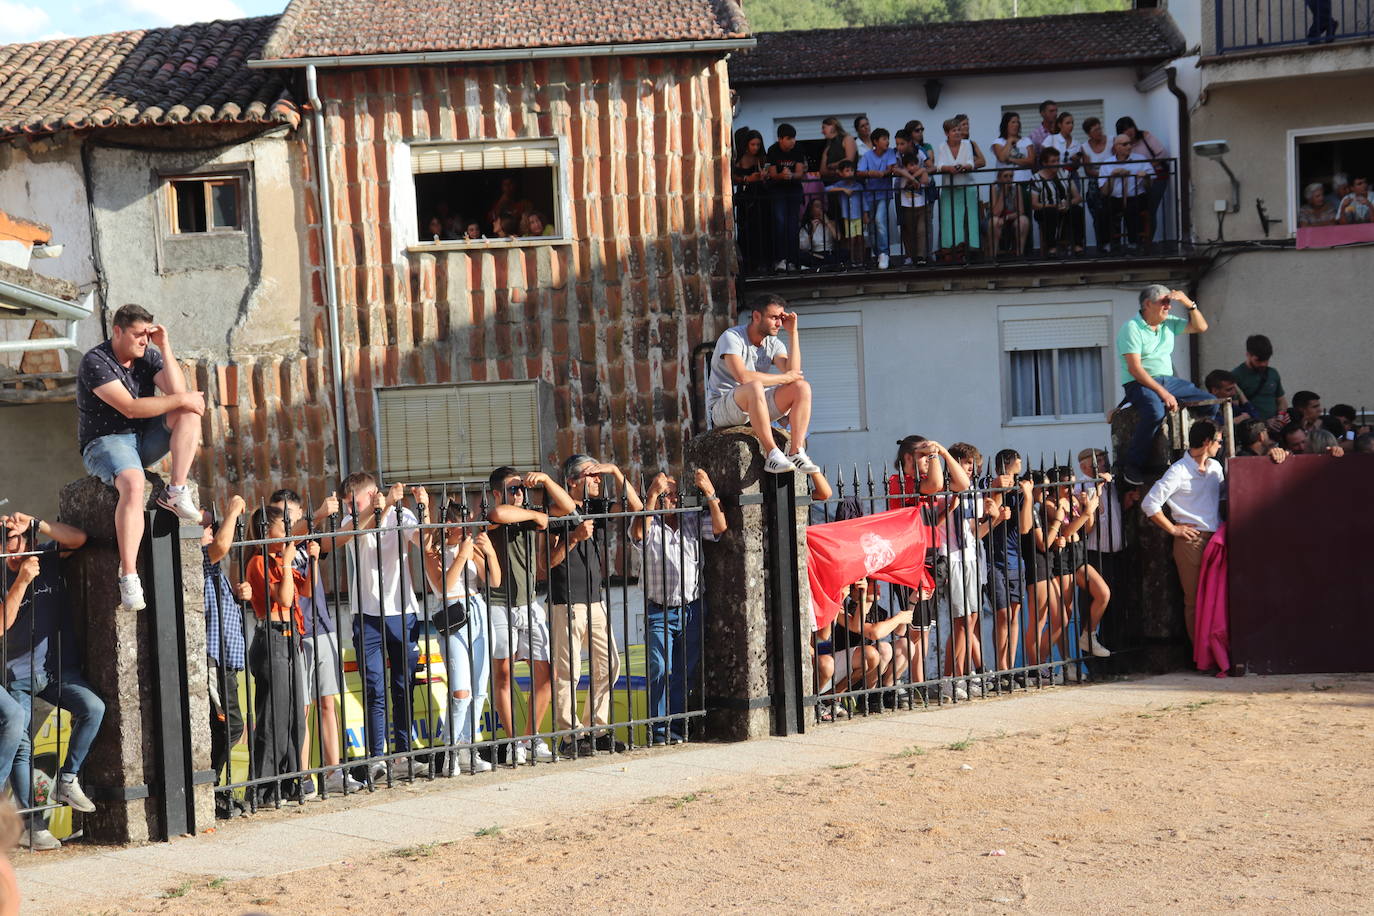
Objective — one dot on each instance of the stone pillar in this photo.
(741, 671)
(143, 674)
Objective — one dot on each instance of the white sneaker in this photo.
(338, 780)
(413, 769)
(177, 500)
(802, 462)
(131, 593)
(39, 840)
(68, 792)
(476, 762)
(521, 752)
(541, 751)
(882, 262)
(960, 693)
(1087, 642)
(309, 788)
(376, 774)
(777, 463)
(781, 265)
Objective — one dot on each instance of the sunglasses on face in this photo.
(515, 489)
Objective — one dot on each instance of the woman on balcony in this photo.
(1317, 211)
(1057, 205)
(1096, 149)
(1010, 151)
(753, 210)
(959, 199)
(1062, 140)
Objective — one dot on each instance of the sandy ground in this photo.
(1255, 802)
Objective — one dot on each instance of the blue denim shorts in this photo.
(107, 456)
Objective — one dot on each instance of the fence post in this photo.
(756, 663)
(149, 769)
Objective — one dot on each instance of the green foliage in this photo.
(783, 15)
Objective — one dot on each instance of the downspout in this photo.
(1185, 147)
(331, 289)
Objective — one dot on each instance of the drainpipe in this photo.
(331, 288)
(1185, 149)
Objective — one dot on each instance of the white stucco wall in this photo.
(932, 364)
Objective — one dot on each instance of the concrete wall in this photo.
(891, 103)
(37, 457)
(932, 364)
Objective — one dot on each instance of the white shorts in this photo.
(726, 412)
(531, 625)
(965, 592)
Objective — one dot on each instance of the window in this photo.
(465, 192)
(809, 136)
(449, 433)
(1055, 367)
(1081, 109)
(1320, 155)
(831, 357)
(198, 204)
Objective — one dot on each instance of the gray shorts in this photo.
(320, 666)
(726, 412)
(531, 625)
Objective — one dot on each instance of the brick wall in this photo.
(610, 320)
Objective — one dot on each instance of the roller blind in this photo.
(467, 157)
(457, 432)
(830, 359)
(1055, 333)
(1081, 109)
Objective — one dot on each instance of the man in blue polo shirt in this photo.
(1145, 346)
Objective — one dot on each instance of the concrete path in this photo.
(449, 810)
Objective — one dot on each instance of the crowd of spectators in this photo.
(1346, 204)
(508, 216)
(878, 197)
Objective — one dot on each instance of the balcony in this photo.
(1262, 25)
(970, 229)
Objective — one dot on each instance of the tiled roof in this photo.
(178, 75)
(327, 28)
(48, 286)
(993, 45)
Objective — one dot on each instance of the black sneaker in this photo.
(609, 743)
(581, 748)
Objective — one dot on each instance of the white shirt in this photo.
(396, 588)
(1194, 494)
(671, 574)
(1132, 184)
(1020, 149)
(1106, 535)
(944, 157)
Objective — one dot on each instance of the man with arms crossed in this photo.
(742, 388)
(124, 426)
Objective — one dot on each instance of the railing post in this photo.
(784, 611)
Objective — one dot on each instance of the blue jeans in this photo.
(466, 656)
(878, 206)
(86, 710)
(132, 451)
(673, 640)
(14, 728)
(1151, 411)
(787, 203)
(393, 634)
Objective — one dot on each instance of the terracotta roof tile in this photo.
(993, 45)
(183, 74)
(327, 28)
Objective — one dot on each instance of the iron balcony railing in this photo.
(1084, 212)
(1259, 24)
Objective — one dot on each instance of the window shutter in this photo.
(830, 359)
(1055, 333)
(1081, 109)
(463, 157)
(434, 433)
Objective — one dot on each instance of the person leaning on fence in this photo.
(519, 623)
(320, 660)
(42, 659)
(672, 580)
(863, 641)
(1145, 346)
(124, 426)
(385, 612)
(1006, 586)
(579, 618)
(274, 586)
(1191, 488)
(225, 654)
(459, 562)
(964, 521)
(742, 387)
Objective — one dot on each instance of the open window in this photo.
(1326, 157)
(201, 204)
(475, 192)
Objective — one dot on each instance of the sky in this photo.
(36, 20)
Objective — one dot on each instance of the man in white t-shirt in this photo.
(1124, 180)
(743, 387)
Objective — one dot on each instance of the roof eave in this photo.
(814, 78)
(15, 296)
(413, 58)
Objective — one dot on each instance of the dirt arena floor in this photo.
(1253, 802)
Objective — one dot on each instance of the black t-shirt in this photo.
(794, 159)
(99, 367)
(29, 641)
(577, 580)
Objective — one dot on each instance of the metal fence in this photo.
(449, 644)
(990, 216)
(1261, 24)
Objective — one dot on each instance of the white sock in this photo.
(124, 577)
(69, 777)
(175, 491)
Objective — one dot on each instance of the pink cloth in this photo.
(1331, 236)
(1211, 636)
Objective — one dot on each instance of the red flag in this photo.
(890, 546)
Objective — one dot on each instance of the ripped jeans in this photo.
(467, 656)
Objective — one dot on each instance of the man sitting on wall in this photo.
(1145, 345)
(743, 388)
(124, 426)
